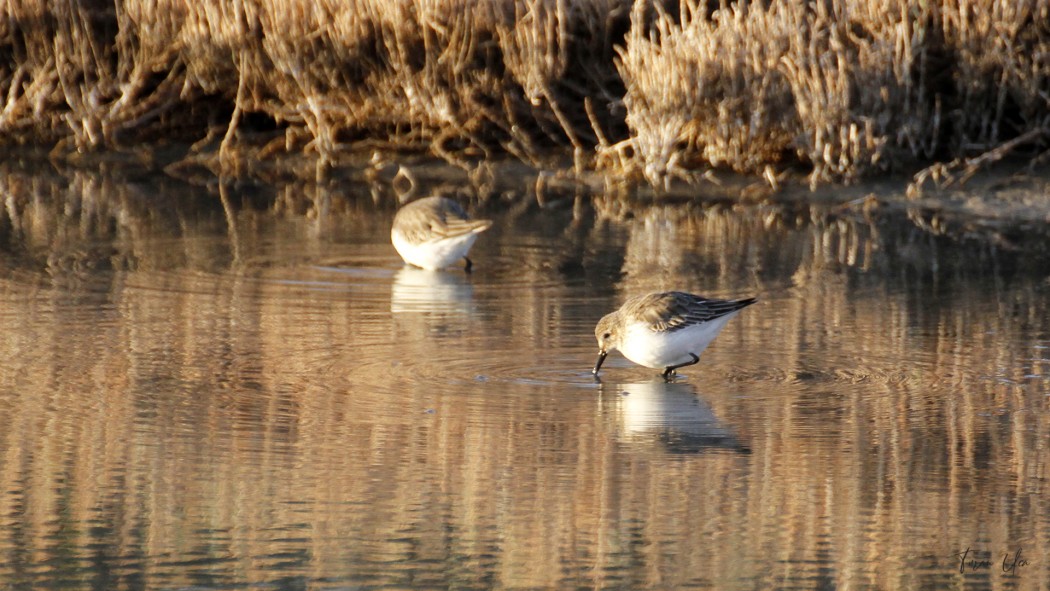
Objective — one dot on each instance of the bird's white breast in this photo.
(433, 254)
(659, 350)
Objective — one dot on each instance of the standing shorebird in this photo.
(667, 330)
(435, 232)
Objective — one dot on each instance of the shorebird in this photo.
(665, 330)
(435, 232)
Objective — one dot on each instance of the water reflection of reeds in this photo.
(189, 419)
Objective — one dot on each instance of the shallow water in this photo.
(248, 389)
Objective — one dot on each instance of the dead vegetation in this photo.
(842, 88)
(846, 87)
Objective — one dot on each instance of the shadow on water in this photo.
(247, 387)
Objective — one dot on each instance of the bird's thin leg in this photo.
(670, 369)
(469, 264)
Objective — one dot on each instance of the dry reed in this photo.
(843, 87)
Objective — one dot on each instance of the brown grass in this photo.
(841, 87)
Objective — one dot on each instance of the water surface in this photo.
(248, 389)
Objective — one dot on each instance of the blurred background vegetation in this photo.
(653, 90)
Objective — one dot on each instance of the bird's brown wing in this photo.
(436, 218)
(674, 310)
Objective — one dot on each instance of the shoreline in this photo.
(1005, 196)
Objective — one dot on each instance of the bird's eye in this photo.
(606, 335)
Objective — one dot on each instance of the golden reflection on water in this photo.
(212, 394)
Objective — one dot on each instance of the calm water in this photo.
(248, 390)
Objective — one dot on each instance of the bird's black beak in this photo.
(601, 359)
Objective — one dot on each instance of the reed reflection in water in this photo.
(224, 391)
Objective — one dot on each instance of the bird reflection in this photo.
(670, 413)
(419, 290)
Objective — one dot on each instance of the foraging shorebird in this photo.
(435, 232)
(667, 330)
